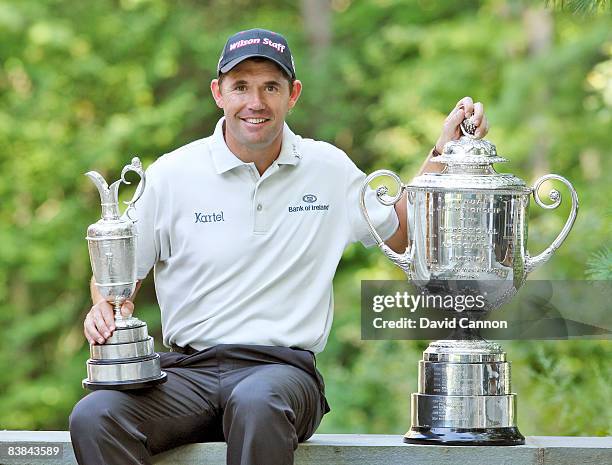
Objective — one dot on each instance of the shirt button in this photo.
(259, 207)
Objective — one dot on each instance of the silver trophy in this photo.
(467, 224)
(127, 359)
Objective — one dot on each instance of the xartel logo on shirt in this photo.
(201, 217)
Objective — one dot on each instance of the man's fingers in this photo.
(468, 106)
(127, 308)
(463, 102)
(91, 333)
(450, 127)
(483, 129)
(107, 314)
(100, 325)
(478, 113)
(464, 109)
(451, 130)
(458, 116)
(454, 118)
(86, 330)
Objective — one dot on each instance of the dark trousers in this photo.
(261, 400)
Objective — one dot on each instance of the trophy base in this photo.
(509, 436)
(125, 385)
(128, 362)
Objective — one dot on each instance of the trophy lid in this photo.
(469, 165)
(468, 151)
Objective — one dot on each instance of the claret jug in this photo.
(127, 359)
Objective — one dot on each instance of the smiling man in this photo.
(255, 97)
(244, 229)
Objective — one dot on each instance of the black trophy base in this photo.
(125, 385)
(465, 437)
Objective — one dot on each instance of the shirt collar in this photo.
(225, 160)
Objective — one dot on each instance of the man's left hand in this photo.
(464, 109)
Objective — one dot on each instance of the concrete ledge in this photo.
(344, 449)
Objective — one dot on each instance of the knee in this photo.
(92, 413)
(259, 404)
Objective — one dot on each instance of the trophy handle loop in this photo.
(401, 260)
(533, 262)
(136, 167)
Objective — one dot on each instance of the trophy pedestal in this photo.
(126, 361)
(464, 396)
(464, 437)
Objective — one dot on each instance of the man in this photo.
(245, 230)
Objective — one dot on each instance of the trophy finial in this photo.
(468, 127)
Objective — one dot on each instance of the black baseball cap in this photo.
(256, 43)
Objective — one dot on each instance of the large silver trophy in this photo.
(127, 359)
(467, 224)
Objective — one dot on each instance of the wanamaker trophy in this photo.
(127, 359)
(467, 224)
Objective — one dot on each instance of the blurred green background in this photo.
(87, 85)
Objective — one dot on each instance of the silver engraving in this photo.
(474, 379)
(465, 411)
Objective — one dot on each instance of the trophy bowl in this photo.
(112, 252)
(467, 224)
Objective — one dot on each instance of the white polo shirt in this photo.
(247, 259)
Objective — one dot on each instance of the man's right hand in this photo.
(100, 321)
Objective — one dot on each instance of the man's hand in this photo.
(450, 131)
(100, 321)
(464, 109)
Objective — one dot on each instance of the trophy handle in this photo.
(136, 167)
(404, 261)
(533, 262)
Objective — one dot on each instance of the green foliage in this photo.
(581, 6)
(86, 85)
(600, 266)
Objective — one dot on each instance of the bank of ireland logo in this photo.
(311, 206)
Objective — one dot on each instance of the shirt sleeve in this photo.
(383, 217)
(150, 241)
